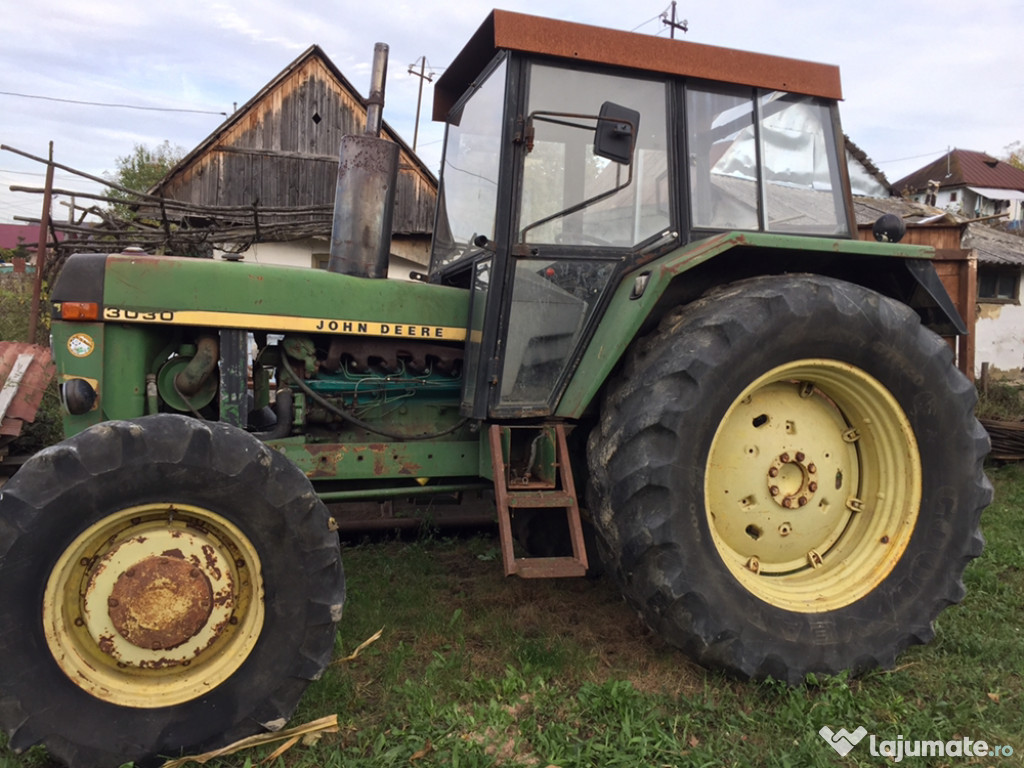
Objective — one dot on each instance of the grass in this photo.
(478, 670)
(474, 669)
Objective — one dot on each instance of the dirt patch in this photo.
(586, 614)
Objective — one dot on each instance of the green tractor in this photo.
(647, 317)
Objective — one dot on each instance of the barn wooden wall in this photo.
(283, 151)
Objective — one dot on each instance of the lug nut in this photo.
(799, 456)
(774, 490)
(773, 472)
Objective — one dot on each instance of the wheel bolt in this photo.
(802, 500)
(799, 456)
(812, 487)
(774, 490)
(784, 458)
(788, 502)
(773, 472)
(811, 469)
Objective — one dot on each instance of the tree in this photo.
(20, 251)
(139, 171)
(1015, 155)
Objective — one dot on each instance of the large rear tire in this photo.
(787, 475)
(166, 584)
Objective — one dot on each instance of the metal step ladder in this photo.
(552, 493)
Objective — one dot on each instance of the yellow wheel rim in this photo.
(813, 485)
(154, 605)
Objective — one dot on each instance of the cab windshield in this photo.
(468, 197)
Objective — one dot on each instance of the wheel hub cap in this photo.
(154, 605)
(160, 602)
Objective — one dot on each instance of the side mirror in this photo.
(615, 136)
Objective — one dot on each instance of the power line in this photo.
(914, 157)
(33, 173)
(117, 106)
(645, 23)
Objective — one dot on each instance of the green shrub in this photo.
(1002, 402)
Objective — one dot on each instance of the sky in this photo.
(918, 78)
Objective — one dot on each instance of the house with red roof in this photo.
(972, 184)
(13, 235)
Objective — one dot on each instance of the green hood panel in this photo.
(204, 292)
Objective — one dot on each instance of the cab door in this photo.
(583, 210)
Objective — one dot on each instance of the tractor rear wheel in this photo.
(166, 584)
(788, 477)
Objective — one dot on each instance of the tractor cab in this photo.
(575, 155)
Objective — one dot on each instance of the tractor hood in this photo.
(135, 288)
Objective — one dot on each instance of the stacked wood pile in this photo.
(1007, 439)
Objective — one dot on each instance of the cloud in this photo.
(916, 79)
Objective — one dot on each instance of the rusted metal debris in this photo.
(26, 371)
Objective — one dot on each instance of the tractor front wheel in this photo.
(165, 584)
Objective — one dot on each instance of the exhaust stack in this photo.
(365, 197)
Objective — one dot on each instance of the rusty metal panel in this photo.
(505, 30)
(25, 373)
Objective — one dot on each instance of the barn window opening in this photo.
(316, 118)
(997, 285)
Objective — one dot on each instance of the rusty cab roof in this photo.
(506, 30)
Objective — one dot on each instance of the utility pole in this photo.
(419, 99)
(673, 23)
(44, 222)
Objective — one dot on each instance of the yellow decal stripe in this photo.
(285, 323)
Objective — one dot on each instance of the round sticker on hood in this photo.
(81, 345)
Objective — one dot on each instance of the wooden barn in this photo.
(278, 157)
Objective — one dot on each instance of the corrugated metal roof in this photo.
(963, 167)
(13, 235)
(868, 209)
(994, 246)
